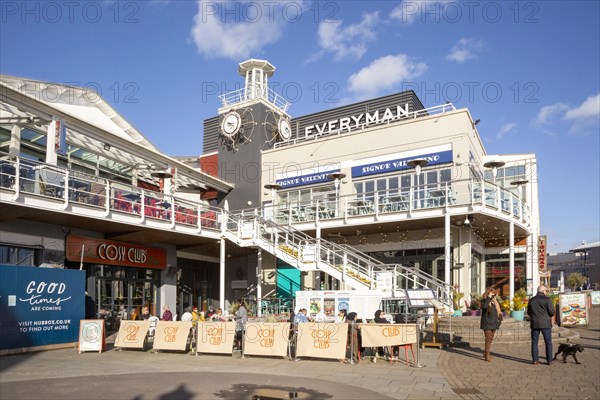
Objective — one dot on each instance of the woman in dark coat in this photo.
(491, 316)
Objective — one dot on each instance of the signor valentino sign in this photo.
(357, 121)
(395, 162)
(99, 251)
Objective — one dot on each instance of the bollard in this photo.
(418, 362)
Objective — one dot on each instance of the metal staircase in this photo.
(358, 270)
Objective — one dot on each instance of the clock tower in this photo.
(251, 119)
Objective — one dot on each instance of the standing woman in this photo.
(491, 316)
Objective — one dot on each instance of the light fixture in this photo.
(272, 186)
(494, 165)
(162, 174)
(336, 176)
(106, 146)
(467, 221)
(417, 163)
(476, 122)
(520, 183)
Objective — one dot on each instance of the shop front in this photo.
(121, 277)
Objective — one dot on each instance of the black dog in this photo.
(568, 349)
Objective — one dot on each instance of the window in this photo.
(307, 195)
(391, 185)
(22, 256)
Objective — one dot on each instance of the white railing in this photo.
(71, 188)
(441, 109)
(458, 193)
(253, 92)
(76, 192)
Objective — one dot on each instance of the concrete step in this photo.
(466, 331)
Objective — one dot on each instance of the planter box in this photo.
(518, 315)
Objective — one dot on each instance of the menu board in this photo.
(329, 307)
(91, 335)
(573, 309)
(315, 306)
(595, 295)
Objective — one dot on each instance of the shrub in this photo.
(520, 300)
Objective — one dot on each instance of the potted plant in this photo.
(475, 304)
(504, 306)
(456, 298)
(519, 305)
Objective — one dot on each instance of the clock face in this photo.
(285, 130)
(231, 124)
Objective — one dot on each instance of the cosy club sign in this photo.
(97, 251)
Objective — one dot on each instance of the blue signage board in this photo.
(304, 180)
(40, 306)
(383, 167)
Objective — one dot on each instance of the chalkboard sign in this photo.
(91, 335)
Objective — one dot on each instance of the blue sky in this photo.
(529, 70)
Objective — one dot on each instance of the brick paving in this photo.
(451, 373)
(511, 375)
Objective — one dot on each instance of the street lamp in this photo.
(273, 187)
(519, 184)
(417, 163)
(337, 177)
(584, 257)
(494, 165)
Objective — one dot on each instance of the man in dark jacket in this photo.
(541, 310)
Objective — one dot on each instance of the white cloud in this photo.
(409, 11)
(465, 49)
(580, 117)
(506, 128)
(238, 34)
(590, 108)
(548, 114)
(384, 74)
(346, 41)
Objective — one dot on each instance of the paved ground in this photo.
(511, 374)
(447, 374)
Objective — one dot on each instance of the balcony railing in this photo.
(375, 204)
(73, 188)
(253, 92)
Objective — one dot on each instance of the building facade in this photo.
(386, 177)
(382, 194)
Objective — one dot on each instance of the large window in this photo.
(307, 195)
(497, 272)
(394, 184)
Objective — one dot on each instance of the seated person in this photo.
(167, 315)
(380, 319)
(145, 314)
(218, 316)
(301, 316)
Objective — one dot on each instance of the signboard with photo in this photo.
(595, 297)
(91, 335)
(343, 303)
(573, 309)
(315, 306)
(329, 307)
